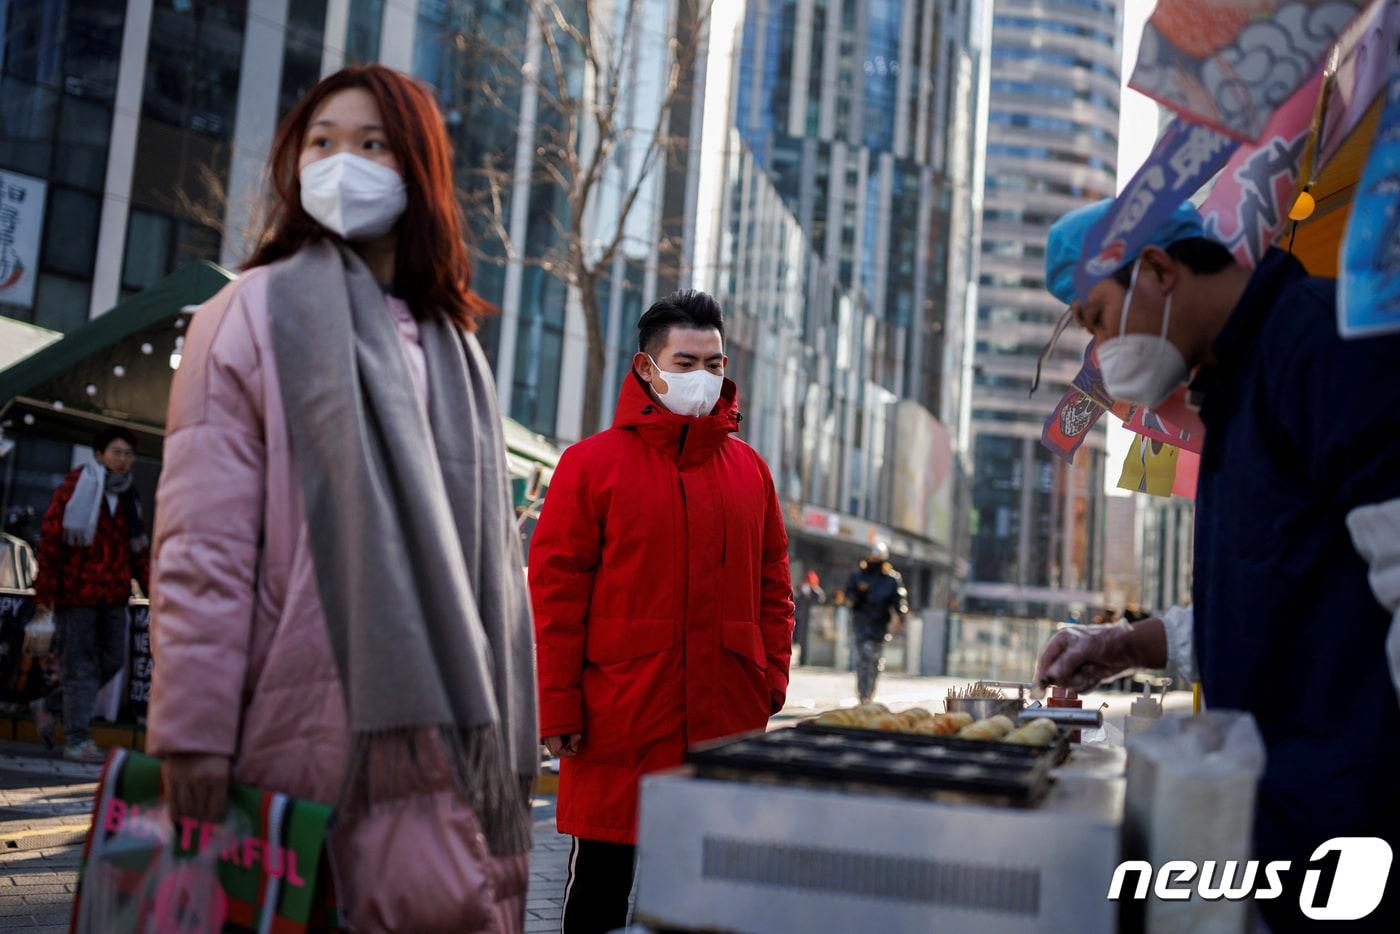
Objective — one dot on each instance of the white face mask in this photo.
(1141, 368)
(351, 195)
(692, 394)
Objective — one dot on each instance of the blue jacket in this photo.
(1301, 428)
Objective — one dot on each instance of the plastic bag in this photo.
(38, 634)
(1191, 788)
(136, 880)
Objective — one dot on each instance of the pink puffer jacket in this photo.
(243, 662)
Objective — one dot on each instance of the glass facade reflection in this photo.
(850, 191)
(1052, 139)
(58, 74)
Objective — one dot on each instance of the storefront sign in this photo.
(138, 692)
(1230, 64)
(22, 678)
(21, 222)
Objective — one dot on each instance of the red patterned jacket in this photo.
(99, 575)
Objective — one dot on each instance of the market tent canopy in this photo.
(19, 339)
(115, 370)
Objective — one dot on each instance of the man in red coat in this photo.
(662, 596)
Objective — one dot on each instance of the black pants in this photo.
(600, 884)
(92, 648)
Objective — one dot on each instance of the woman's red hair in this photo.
(432, 271)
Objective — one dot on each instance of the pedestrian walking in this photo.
(663, 601)
(810, 594)
(92, 545)
(340, 612)
(876, 596)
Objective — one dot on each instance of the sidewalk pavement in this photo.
(45, 804)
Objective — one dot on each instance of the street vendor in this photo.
(1297, 546)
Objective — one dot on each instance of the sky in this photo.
(1137, 130)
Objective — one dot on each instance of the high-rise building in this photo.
(855, 138)
(1038, 527)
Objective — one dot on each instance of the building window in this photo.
(362, 37)
(301, 59)
(68, 45)
(61, 302)
(193, 65)
(70, 231)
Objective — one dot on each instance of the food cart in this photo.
(814, 831)
(848, 829)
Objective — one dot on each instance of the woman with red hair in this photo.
(338, 607)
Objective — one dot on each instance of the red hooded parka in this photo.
(663, 601)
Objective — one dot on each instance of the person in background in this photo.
(877, 598)
(92, 545)
(339, 612)
(1296, 577)
(810, 594)
(662, 594)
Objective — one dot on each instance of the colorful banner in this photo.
(21, 221)
(1089, 379)
(1183, 160)
(1150, 468)
(1188, 471)
(1368, 289)
(1150, 424)
(1067, 427)
(1230, 64)
(1249, 205)
(1361, 75)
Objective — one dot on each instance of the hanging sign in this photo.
(1150, 467)
(1361, 76)
(1368, 289)
(1249, 205)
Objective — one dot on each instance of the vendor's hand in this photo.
(196, 786)
(564, 745)
(1083, 657)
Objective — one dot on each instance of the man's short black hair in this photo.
(1201, 255)
(686, 309)
(104, 438)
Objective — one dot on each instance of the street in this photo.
(45, 804)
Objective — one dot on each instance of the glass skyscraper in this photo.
(855, 137)
(1052, 139)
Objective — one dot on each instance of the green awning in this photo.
(71, 388)
(114, 370)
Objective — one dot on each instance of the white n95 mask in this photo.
(1141, 368)
(351, 195)
(693, 394)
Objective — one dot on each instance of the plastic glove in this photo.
(1083, 657)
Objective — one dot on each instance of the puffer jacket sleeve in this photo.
(208, 526)
(50, 554)
(564, 557)
(776, 608)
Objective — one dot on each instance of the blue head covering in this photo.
(1066, 241)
